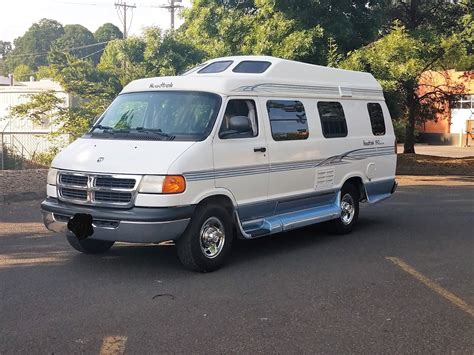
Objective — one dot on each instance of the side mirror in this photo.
(240, 124)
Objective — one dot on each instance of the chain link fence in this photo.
(29, 150)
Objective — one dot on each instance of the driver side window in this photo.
(240, 120)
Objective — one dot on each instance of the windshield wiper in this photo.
(158, 132)
(112, 130)
(99, 126)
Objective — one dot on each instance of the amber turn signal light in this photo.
(174, 184)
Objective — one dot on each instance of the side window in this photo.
(333, 120)
(287, 120)
(240, 120)
(376, 119)
(216, 67)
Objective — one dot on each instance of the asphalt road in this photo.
(301, 292)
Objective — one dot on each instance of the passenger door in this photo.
(241, 160)
(291, 151)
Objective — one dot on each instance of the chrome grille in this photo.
(76, 180)
(106, 196)
(97, 189)
(102, 181)
(74, 194)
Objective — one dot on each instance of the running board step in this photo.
(288, 221)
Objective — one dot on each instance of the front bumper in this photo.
(134, 225)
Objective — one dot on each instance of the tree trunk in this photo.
(409, 146)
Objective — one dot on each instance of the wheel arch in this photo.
(358, 182)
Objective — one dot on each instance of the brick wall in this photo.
(20, 185)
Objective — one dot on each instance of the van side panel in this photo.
(315, 169)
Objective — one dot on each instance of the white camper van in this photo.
(236, 147)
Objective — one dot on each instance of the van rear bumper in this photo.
(134, 225)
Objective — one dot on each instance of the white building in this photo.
(22, 135)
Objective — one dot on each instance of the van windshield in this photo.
(164, 115)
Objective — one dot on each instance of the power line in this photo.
(86, 56)
(124, 7)
(90, 55)
(63, 50)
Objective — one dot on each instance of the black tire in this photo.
(342, 225)
(190, 245)
(89, 246)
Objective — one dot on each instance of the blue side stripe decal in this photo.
(345, 158)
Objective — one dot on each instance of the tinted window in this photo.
(287, 120)
(333, 121)
(242, 108)
(193, 69)
(216, 67)
(376, 119)
(251, 66)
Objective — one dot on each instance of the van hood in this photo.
(120, 156)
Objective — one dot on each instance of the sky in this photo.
(18, 15)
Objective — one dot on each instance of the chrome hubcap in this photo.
(347, 209)
(212, 237)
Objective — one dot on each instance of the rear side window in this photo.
(287, 120)
(376, 119)
(216, 67)
(333, 120)
(251, 66)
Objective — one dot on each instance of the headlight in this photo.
(52, 176)
(152, 184)
(156, 184)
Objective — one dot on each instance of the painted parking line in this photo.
(113, 345)
(451, 297)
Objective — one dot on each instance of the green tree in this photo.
(77, 41)
(169, 55)
(22, 72)
(398, 60)
(5, 47)
(31, 49)
(220, 28)
(351, 23)
(107, 32)
(91, 90)
(124, 59)
(45, 72)
(104, 34)
(439, 16)
(334, 57)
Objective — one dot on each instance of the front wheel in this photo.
(349, 210)
(89, 246)
(206, 242)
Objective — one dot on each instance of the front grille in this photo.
(97, 189)
(106, 196)
(73, 194)
(115, 183)
(76, 180)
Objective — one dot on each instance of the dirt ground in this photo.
(416, 164)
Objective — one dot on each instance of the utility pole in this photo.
(172, 7)
(122, 8)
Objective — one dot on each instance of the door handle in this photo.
(261, 149)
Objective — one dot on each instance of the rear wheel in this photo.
(349, 210)
(89, 246)
(206, 242)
